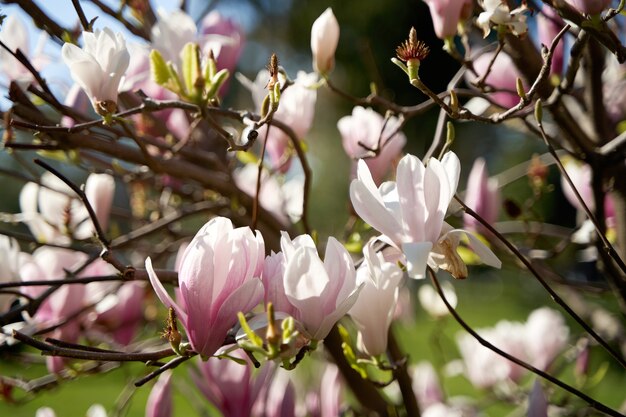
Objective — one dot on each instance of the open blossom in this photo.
(426, 385)
(228, 43)
(98, 67)
(498, 13)
(321, 292)
(53, 212)
(432, 302)
(590, 6)
(219, 276)
(446, 15)
(410, 212)
(324, 40)
(374, 309)
(502, 77)
(365, 131)
(482, 195)
(547, 336)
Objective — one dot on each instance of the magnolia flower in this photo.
(366, 131)
(219, 276)
(374, 309)
(273, 272)
(537, 402)
(324, 40)
(497, 12)
(546, 336)
(172, 31)
(446, 15)
(231, 387)
(410, 212)
(432, 302)
(590, 7)
(485, 368)
(53, 212)
(278, 398)
(482, 195)
(283, 200)
(426, 385)
(160, 399)
(98, 67)
(228, 48)
(327, 401)
(296, 109)
(502, 77)
(14, 35)
(9, 267)
(321, 292)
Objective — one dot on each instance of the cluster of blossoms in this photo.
(239, 305)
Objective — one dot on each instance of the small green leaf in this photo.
(191, 67)
(158, 68)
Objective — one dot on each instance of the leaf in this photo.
(158, 68)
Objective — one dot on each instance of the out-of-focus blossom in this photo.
(95, 410)
(76, 99)
(172, 31)
(327, 401)
(98, 67)
(324, 40)
(482, 195)
(580, 174)
(45, 412)
(219, 276)
(546, 336)
(484, 368)
(14, 35)
(375, 307)
(53, 212)
(590, 7)
(538, 342)
(549, 24)
(502, 77)
(321, 292)
(446, 15)
(231, 387)
(365, 131)
(537, 402)
(160, 399)
(9, 267)
(277, 398)
(296, 109)
(498, 13)
(284, 201)
(228, 48)
(410, 212)
(426, 385)
(432, 302)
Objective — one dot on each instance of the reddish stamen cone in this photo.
(412, 48)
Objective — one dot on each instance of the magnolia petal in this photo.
(371, 209)
(484, 253)
(330, 319)
(416, 254)
(410, 188)
(162, 293)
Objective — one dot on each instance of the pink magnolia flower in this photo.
(53, 212)
(327, 402)
(546, 336)
(273, 272)
(410, 212)
(446, 15)
(76, 99)
(296, 109)
(549, 24)
(482, 195)
(98, 67)
(219, 276)
(364, 131)
(502, 77)
(485, 368)
(537, 402)
(160, 400)
(426, 385)
(14, 35)
(321, 292)
(590, 7)
(278, 398)
(324, 40)
(232, 387)
(374, 310)
(227, 49)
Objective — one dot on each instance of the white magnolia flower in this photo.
(99, 66)
(410, 211)
(497, 12)
(14, 35)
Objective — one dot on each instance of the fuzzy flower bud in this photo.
(324, 40)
